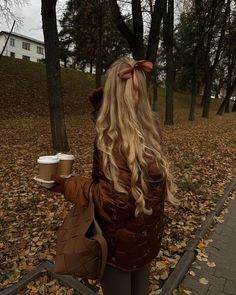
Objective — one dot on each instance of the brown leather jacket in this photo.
(132, 242)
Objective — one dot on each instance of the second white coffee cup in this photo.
(65, 164)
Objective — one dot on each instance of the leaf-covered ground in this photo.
(202, 156)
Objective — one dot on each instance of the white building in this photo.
(22, 47)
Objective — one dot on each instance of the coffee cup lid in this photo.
(65, 156)
(48, 160)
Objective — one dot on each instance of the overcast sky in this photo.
(31, 16)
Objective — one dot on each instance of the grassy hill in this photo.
(23, 91)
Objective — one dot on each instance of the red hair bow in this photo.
(125, 74)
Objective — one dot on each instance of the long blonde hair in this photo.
(136, 130)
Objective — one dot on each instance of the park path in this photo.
(221, 251)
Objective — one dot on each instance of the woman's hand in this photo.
(60, 184)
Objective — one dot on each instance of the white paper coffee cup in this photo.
(47, 166)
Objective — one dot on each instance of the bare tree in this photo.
(211, 63)
(230, 90)
(201, 19)
(230, 63)
(145, 47)
(135, 35)
(56, 106)
(99, 44)
(234, 107)
(6, 11)
(168, 35)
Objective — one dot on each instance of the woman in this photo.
(131, 175)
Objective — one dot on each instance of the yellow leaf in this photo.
(1, 245)
(53, 289)
(30, 284)
(22, 265)
(201, 245)
(192, 273)
(184, 290)
(160, 265)
(188, 292)
(203, 281)
(34, 290)
(211, 264)
(164, 275)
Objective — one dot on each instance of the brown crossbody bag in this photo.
(81, 247)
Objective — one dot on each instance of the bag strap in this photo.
(101, 240)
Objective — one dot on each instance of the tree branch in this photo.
(118, 20)
(222, 33)
(153, 39)
(138, 29)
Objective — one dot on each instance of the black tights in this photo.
(117, 282)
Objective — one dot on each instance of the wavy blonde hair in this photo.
(137, 132)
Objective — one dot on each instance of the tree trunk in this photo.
(99, 46)
(221, 83)
(234, 107)
(193, 96)
(211, 68)
(168, 34)
(155, 89)
(58, 129)
(227, 106)
(169, 88)
(194, 86)
(91, 66)
(228, 96)
(65, 62)
(135, 37)
(202, 101)
(138, 44)
(229, 93)
(207, 96)
(154, 33)
(223, 105)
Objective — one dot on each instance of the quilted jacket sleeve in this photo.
(76, 188)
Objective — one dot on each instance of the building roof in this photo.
(23, 37)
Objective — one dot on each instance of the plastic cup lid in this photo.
(48, 160)
(65, 156)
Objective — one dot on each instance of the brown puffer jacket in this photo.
(132, 242)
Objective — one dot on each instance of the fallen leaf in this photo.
(203, 281)
(192, 273)
(211, 264)
(160, 265)
(184, 290)
(164, 275)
